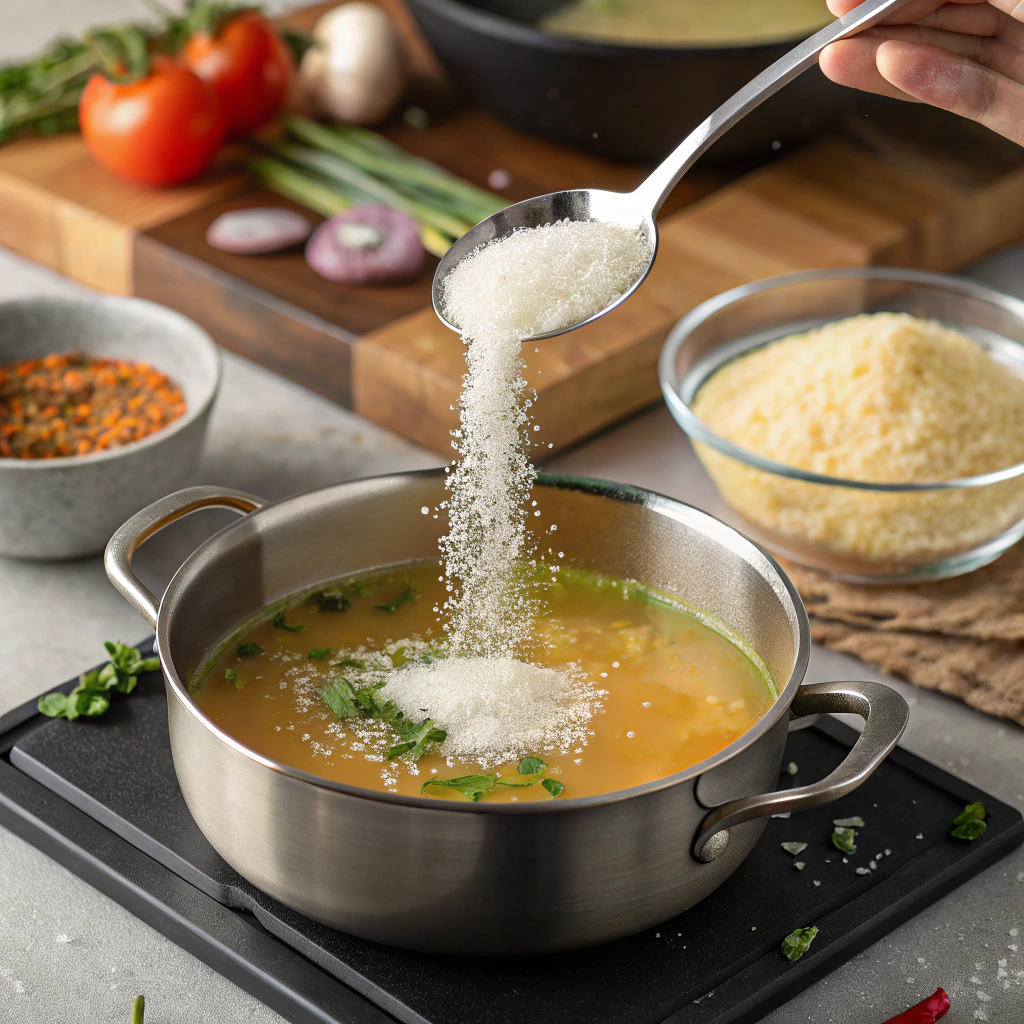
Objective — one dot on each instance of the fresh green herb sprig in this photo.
(798, 942)
(349, 662)
(407, 595)
(91, 696)
(318, 653)
(970, 822)
(476, 787)
(249, 649)
(329, 601)
(279, 623)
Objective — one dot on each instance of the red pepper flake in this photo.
(926, 1012)
(72, 404)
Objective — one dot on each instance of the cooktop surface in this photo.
(100, 796)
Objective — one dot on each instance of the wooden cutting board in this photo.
(900, 186)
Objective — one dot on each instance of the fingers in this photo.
(853, 63)
(947, 80)
(996, 54)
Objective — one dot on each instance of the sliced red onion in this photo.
(366, 244)
(257, 230)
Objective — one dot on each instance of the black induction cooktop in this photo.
(100, 797)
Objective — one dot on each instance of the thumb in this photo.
(954, 83)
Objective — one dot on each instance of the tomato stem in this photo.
(122, 53)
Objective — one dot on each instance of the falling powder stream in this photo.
(531, 282)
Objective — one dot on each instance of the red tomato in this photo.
(248, 64)
(161, 130)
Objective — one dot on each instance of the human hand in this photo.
(965, 55)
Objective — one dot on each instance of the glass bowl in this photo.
(854, 530)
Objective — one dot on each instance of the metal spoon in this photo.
(638, 209)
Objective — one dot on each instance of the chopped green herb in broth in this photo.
(677, 689)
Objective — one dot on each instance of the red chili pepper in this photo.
(926, 1012)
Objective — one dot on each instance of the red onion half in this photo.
(367, 244)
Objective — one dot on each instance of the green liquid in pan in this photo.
(689, 22)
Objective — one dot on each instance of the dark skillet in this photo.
(610, 99)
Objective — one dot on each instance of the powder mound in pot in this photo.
(882, 397)
(496, 710)
(535, 280)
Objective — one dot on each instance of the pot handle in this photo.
(885, 715)
(117, 559)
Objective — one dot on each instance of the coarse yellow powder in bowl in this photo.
(880, 398)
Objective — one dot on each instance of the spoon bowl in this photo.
(638, 209)
(581, 204)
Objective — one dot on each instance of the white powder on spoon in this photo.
(534, 281)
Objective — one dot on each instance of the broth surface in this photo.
(689, 22)
(677, 691)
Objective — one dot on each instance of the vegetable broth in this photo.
(689, 22)
(676, 691)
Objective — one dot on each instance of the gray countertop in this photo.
(69, 954)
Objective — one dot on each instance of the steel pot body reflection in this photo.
(474, 878)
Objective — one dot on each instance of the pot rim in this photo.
(663, 505)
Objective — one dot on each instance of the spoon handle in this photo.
(654, 191)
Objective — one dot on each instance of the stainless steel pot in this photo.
(475, 878)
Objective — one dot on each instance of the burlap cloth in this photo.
(963, 637)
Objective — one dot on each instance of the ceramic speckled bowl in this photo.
(69, 507)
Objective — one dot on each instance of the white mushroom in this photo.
(356, 69)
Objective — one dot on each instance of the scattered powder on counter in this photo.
(882, 398)
(496, 710)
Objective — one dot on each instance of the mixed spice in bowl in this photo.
(104, 403)
(866, 422)
(72, 404)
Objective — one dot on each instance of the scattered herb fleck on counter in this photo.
(318, 653)
(407, 595)
(791, 768)
(91, 696)
(249, 648)
(139, 1010)
(279, 623)
(855, 822)
(970, 822)
(844, 839)
(928, 1011)
(794, 848)
(798, 942)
